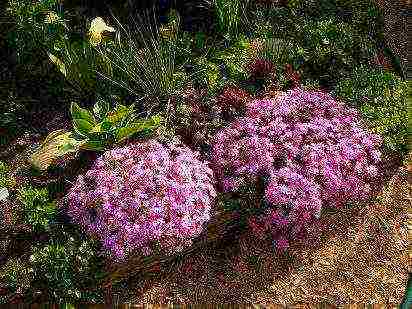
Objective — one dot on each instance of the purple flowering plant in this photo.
(144, 198)
(312, 151)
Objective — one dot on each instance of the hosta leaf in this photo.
(54, 146)
(139, 126)
(94, 145)
(82, 126)
(106, 126)
(80, 113)
(96, 129)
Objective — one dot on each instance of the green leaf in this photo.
(96, 129)
(106, 126)
(136, 127)
(94, 145)
(81, 113)
(82, 126)
(118, 114)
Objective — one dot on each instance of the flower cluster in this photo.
(312, 151)
(143, 198)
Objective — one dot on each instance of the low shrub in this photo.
(381, 98)
(311, 152)
(66, 268)
(37, 207)
(143, 198)
(67, 271)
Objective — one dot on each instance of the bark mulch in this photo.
(361, 256)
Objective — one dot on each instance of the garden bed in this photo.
(257, 154)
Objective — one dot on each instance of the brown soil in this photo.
(361, 256)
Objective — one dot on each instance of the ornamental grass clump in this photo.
(311, 151)
(144, 198)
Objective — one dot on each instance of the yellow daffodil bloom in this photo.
(97, 27)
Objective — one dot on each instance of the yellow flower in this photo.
(167, 32)
(59, 63)
(97, 27)
(52, 18)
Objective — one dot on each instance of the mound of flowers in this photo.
(144, 198)
(311, 151)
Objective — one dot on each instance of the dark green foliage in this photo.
(6, 181)
(381, 97)
(37, 207)
(331, 36)
(68, 268)
(64, 268)
(31, 35)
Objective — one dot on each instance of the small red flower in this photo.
(232, 96)
(260, 68)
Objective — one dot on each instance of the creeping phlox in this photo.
(312, 150)
(143, 198)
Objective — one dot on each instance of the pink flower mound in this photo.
(144, 197)
(312, 150)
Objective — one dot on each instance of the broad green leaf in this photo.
(106, 126)
(96, 129)
(82, 126)
(126, 132)
(80, 113)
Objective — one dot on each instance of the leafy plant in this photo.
(95, 130)
(279, 51)
(146, 60)
(17, 275)
(37, 24)
(106, 126)
(37, 207)
(209, 75)
(68, 271)
(235, 58)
